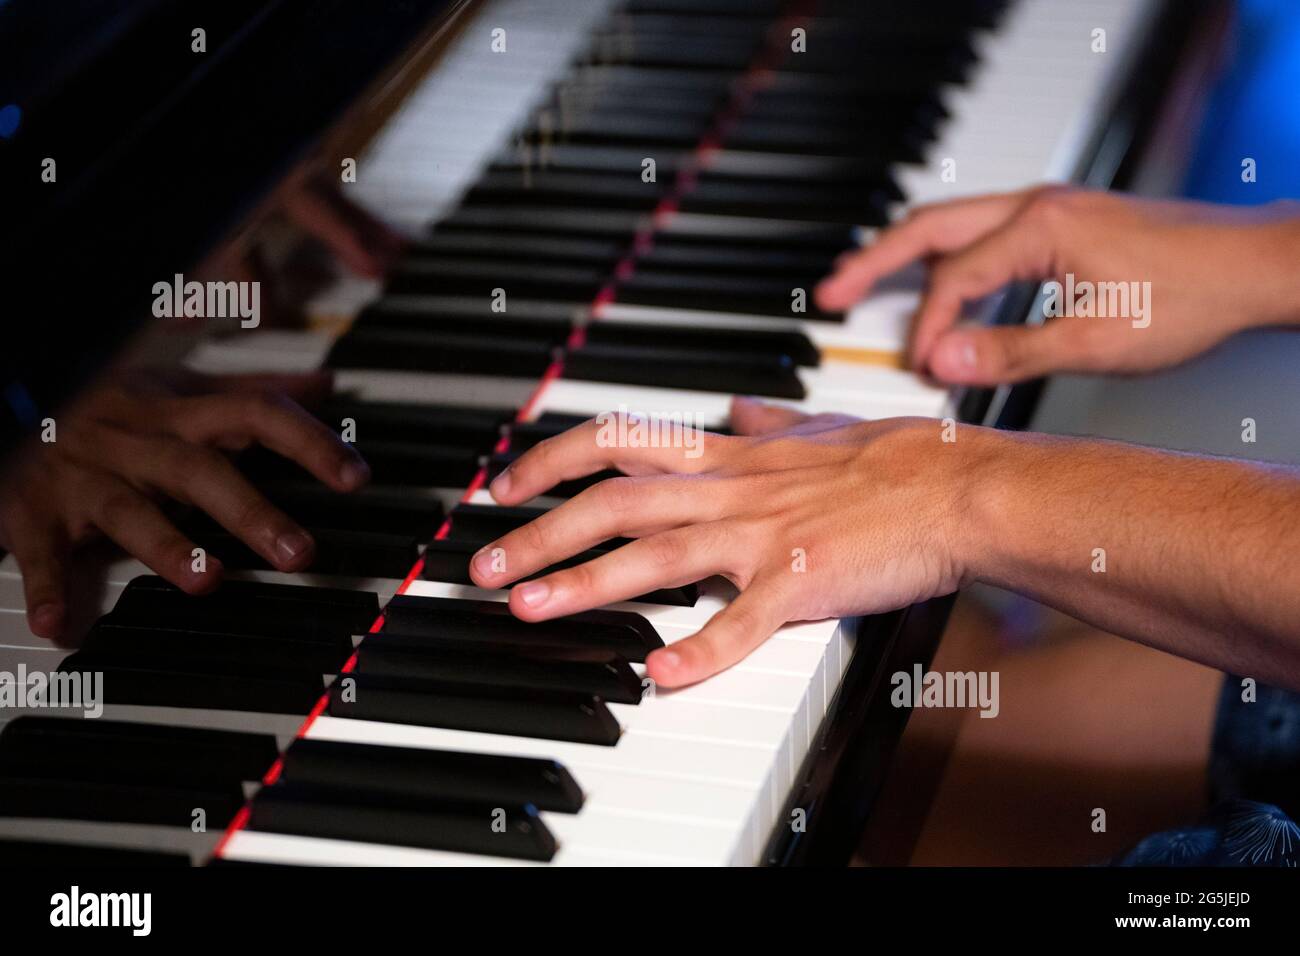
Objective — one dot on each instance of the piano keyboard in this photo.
(309, 727)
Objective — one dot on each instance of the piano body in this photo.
(380, 710)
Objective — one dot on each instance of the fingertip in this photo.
(955, 358)
(500, 487)
(200, 582)
(481, 571)
(828, 295)
(47, 620)
(667, 667)
(353, 474)
(530, 606)
(294, 550)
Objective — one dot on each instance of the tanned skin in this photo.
(1199, 553)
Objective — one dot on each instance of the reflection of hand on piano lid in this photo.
(810, 517)
(357, 239)
(308, 231)
(127, 445)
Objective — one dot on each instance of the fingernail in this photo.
(955, 355)
(483, 562)
(292, 545)
(961, 352)
(48, 619)
(670, 658)
(501, 484)
(533, 593)
(354, 474)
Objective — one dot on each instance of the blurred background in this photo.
(1015, 772)
(1254, 112)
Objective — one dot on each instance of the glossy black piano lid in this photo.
(160, 153)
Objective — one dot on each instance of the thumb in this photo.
(1006, 355)
(749, 416)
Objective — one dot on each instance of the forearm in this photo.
(1197, 556)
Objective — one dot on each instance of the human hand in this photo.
(124, 447)
(1213, 271)
(809, 517)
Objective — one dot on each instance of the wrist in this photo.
(992, 487)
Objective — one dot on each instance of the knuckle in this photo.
(190, 467)
(946, 275)
(619, 496)
(258, 406)
(1048, 204)
(535, 536)
(666, 551)
(1089, 342)
(921, 214)
(115, 505)
(1007, 352)
(739, 622)
(580, 579)
(255, 512)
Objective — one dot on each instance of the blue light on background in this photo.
(10, 117)
(1255, 111)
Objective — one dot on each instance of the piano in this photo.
(380, 710)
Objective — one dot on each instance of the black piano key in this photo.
(199, 683)
(922, 106)
(407, 313)
(448, 561)
(338, 551)
(381, 510)
(903, 145)
(517, 711)
(25, 796)
(497, 665)
(730, 372)
(723, 259)
(830, 238)
(116, 751)
(863, 204)
(626, 190)
(497, 244)
(484, 523)
(674, 51)
(343, 814)
(754, 296)
(613, 223)
(520, 278)
(158, 644)
(37, 853)
(445, 425)
(435, 775)
(623, 633)
(583, 157)
(391, 463)
(606, 127)
(250, 607)
(429, 351)
(744, 342)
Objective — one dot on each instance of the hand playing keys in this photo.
(809, 517)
